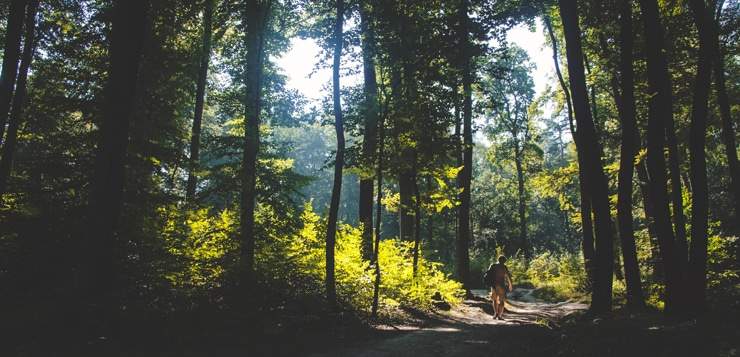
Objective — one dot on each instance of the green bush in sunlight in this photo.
(203, 248)
(354, 275)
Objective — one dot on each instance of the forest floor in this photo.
(537, 328)
(470, 330)
(530, 328)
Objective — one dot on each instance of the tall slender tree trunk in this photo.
(200, 92)
(587, 244)
(463, 237)
(370, 108)
(11, 52)
(728, 129)
(596, 181)
(126, 39)
(659, 110)
(256, 15)
(647, 206)
(697, 140)
(417, 231)
(522, 202)
(378, 211)
(331, 230)
(628, 151)
(16, 113)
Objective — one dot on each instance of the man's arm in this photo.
(509, 279)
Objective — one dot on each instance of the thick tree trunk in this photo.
(16, 113)
(697, 140)
(331, 229)
(728, 129)
(12, 50)
(200, 92)
(256, 16)
(126, 39)
(587, 244)
(370, 108)
(628, 151)
(596, 181)
(659, 110)
(463, 236)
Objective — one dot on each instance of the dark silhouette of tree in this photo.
(660, 109)
(331, 230)
(256, 16)
(370, 108)
(596, 180)
(698, 169)
(126, 39)
(628, 151)
(19, 98)
(587, 244)
(463, 219)
(200, 93)
(10, 59)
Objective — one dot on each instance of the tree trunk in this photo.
(628, 151)
(596, 181)
(11, 52)
(200, 92)
(378, 211)
(417, 231)
(647, 206)
(587, 244)
(126, 39)
(660, 109)
(16, 113)
(256, 16)
(370, 108)
(331, 230)
(700, 195)
(522, 203)
(728, 130)
(463, 236)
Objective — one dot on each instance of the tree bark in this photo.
(596, 181)
(522, 202)
(16, 113)
(647, 206)
(728, 130)
(378, 211)
(660, 109)
(370, 108)
(698, 171)
(200, 91)
(256, 17)
(11, 52)
(417, 231)
(126, 39)
(587, 244)
(331, 230)
(463, 237)
(628, 151)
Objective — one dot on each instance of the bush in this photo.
(203, 247)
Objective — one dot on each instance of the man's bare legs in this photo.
(499, 302)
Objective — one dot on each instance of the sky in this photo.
(300, 62)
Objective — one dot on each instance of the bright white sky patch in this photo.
(299, 63)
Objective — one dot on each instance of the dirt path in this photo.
(470, 330)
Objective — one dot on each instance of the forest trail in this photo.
(470, 330)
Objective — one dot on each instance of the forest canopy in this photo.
(154, 158)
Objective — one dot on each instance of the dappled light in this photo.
(369, 178)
